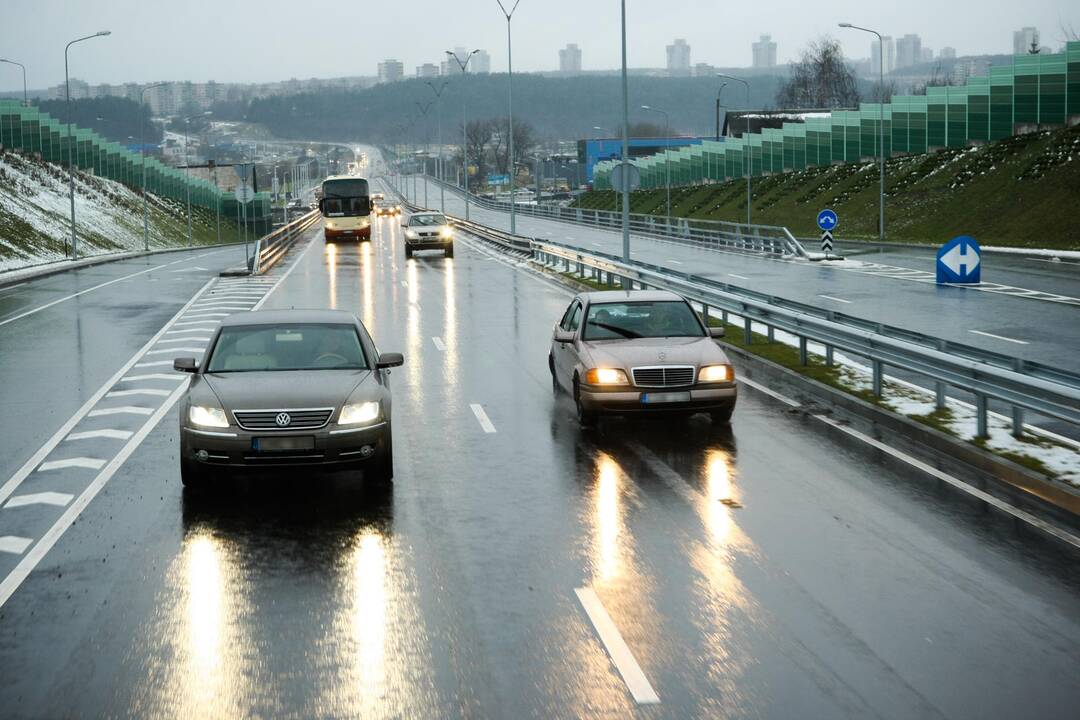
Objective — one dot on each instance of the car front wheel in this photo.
(191, 475)
(449, 251)
(586, 418)
(380, 471)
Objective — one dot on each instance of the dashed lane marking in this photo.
(14, 544)
(183, 340)
(106, 433)
(122, 410)
(196, 322)
(741, 277)
(141, 391)
(482, 418)
(152, 376)
(191, 330)
(999, 337)
(835, 299)
(175, 350)
(155, 363)
(438, 343)
(56, 499)
(617, 649)
(76, 462)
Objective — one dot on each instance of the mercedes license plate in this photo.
(665, 397)
(277, 444)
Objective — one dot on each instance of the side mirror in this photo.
(185, 364)
(716, 332)
(564, 336)
(389, 360)
(321, 204)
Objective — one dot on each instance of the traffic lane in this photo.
(989, 321)
(53, 360)
(641, 567)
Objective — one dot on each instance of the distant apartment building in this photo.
(704, 70)
(890, 54)
(391, 71)
(908, 51)
(570, 59)
(764, 52)
(678, 58)
(481, 62)
(79, 89)
(1023, 39)
(926, 55)
(947, 53)
(427, 70)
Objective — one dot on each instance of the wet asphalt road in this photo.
(896, 288)
(829, 584)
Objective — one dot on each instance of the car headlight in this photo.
(446, 233)
(329, 225)
(207, 416)
(716, 374)
(411, 234)
(359, 413)
(606, 376)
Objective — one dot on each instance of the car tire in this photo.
(380, 472)
(586, 418)
(722, 417)
(449, 251)
(556, 389)
(192, 476)
(408, 252)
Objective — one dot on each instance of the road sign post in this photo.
(827, 220)
(959, 262)
(826, 243)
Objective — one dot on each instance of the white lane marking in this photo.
(741, 277)
(220, 306)
(617, 649)
(438, 342)
(287, 273)
(106, 433)
(151, 376)
(77, 462)
(183, 340)
(190, 269)
(175, 350)
(15, 578)
(404, 283)
(203, 316)
(42, 498)
(48, 305)
(191, 330)
(197, 322)
(999, 337)
(769, 391)
(11, 287)
(1055, 261)
(14, 544)
(156, 363)
(835, 299)
(674, 262)
(121, 410)
(482, 418)
(142, 391)
(958, 484)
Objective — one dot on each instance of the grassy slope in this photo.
(1023, 191)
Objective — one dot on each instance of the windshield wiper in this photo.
(616, 329)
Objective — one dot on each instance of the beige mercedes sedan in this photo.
(640, 351)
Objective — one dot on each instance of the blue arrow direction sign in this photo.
(827, 219)
(958, 261)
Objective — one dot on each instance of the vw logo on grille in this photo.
(283, 419)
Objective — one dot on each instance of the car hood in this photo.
(642, 352)
(284, 389)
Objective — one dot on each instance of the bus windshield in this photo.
(345, 197)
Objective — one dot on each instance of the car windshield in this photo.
(628, 320)
(427, 220)
(301, 346)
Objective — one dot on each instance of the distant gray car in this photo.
(285, 388)
(641, 351)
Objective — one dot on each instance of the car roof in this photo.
(285, 317)
(609, 296)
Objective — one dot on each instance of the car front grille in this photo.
(303, 419)
(664, 376)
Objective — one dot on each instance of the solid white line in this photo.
(11, 287)
(769, 391)
(122, 410)
(958, 484)
(482, 418)
(78, 462)
(741, 277)
(175, 350)
(42, 498)
(15, 480)
(674, 262)
(617, 649)
(144, 391)
(46, 306)
(835, 299)
(14, 544)
(152, 376)
(94, 434)
(15, 578)
(999, 337)
(183, 340)
(438, 343)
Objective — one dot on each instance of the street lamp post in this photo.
(510, 109)
(881, 127)
(142, 158)
(625, 147)
(464, 130)
(746, 145)
(26, 102)
(667, 160)
(438, 161)
(71, 150)
(423, 112)
(720, 90)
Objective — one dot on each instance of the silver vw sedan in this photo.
(287, 388)
(640, 351)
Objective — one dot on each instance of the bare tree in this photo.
(1068, 32)
(479, 134)
(821, 79)
(524, 142)
(644, 130)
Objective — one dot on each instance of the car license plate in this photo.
(668, 397)
(277, 444)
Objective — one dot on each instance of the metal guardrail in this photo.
(740, 237)
(1023, 385)
(272, 247)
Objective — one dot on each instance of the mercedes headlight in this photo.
(446, 233)
(362, 413)
(411, 234)
(716, 374)
(606, 376)
(207, 416)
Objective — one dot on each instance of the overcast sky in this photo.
(238, 41)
